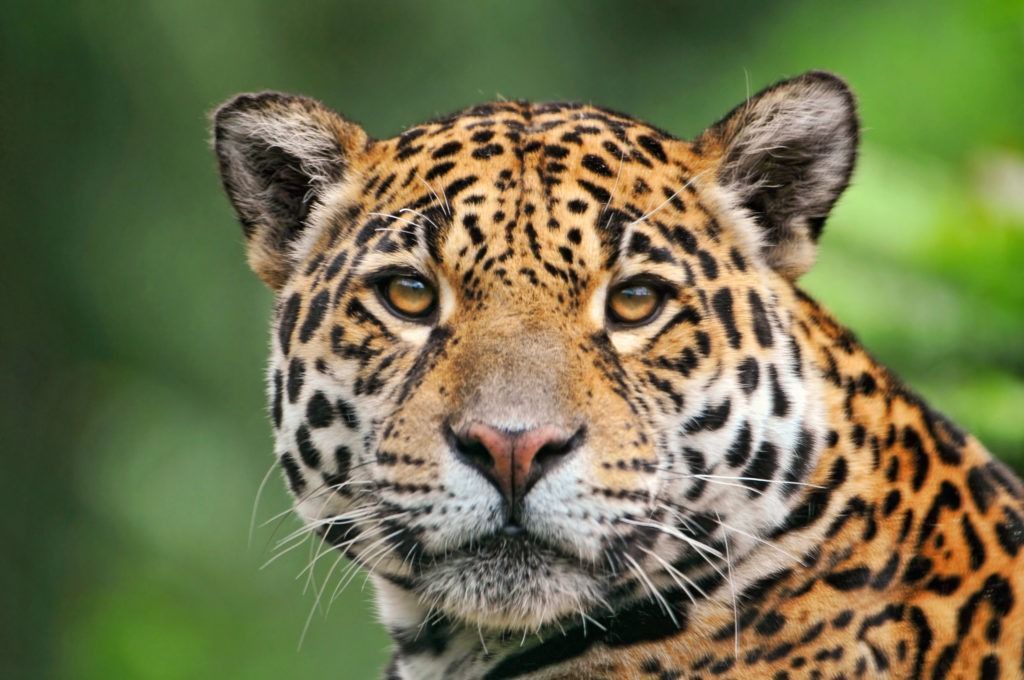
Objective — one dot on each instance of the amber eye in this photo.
(632, 304)
(408, 296)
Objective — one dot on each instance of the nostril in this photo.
(552, 453)
(472, 451)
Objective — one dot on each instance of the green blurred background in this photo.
(134, 435)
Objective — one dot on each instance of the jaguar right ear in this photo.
(279, 154)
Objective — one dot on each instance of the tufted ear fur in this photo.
(786, 155)
(279, 154)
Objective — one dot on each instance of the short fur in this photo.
(755, 496)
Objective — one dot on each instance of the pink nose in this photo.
(515, 461)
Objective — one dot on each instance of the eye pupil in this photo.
(633, 303)
(409, 296)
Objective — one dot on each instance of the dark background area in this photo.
(133, 429)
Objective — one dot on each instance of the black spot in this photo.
(576, 206)
(912, 442)
(943, 585)
(1010, 532)
(749, 374)
(982, 491)
(335, 266)
(286, 325)
(842, 619)
(857, 435)
(314, 315)
(710, 419)
(439, 170)
(708, 264)
(780, 402)
(884, 576)
(488, 151)
(771, 623)
(974, 545)
(739, 451)
(319, 411)
(307, 451)
(458, 186)
(892, 501)
(947, 497)
(555, 151)
(989, 668)
(762, 328)
(682, 236)
(275, 407)
(447, 149)
(599, 194)
(296, 377)
(291, 470)
(653, 147)
(917, 568)
(596, 165)
(348, 414)
(762, 468)
(801, 461)
(574, 236)
(342, 464)
(483, 136)
(849, 579)
(737, 259)
(722, 303)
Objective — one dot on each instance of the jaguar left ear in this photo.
(785, 156)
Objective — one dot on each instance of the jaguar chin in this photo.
(509, 584)
(547, 373)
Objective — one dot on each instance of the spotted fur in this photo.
(752, 496)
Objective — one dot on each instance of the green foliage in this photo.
(133, 405)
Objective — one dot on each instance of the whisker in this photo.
(650, 586)
(316, 602)
(732, 589)
(672, 531)
(447, 208)
(676, 575)
(417, 212)
(256, 502)
(669, 199)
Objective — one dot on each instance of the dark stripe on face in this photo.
(435, 345)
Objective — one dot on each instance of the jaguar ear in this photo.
(279, 154)
(786, 155)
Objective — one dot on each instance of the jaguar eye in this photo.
(408, 296)
(633, 304)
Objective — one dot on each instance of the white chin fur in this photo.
(503, 592)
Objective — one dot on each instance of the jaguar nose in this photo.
(513, 461)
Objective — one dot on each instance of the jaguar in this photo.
(546, 374)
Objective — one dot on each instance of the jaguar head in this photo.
(531, 360)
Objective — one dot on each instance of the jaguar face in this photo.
(531, 359)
